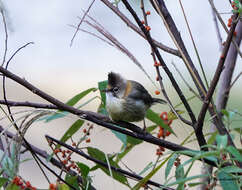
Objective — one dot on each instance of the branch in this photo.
(160, 7)
(78, 26)
(6, 37)
(44, 155)
(104, 164)
(137, 30)
(214, 84)
(98, 119)
(162, 62)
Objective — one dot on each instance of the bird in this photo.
(127, 100)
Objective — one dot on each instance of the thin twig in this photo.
(213, 85)
(96, 25)
(98, 118)
(12, 56)
(186, 83)
(6, 37)
(44, 155)
(194, 45)
(137, 30)
(162, 62)
(224, 25)
(236, 78)
(218, 33)
(82, 19)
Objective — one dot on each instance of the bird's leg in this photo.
(144, 128)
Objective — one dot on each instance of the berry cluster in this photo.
(177, 162)
(230, 22)
(163, 133)
(143, 22)
(22, 184)
(65, 155)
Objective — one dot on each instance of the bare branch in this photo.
(137, 30)
(6, 37)
(78, 26)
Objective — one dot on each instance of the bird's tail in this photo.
(157, 100)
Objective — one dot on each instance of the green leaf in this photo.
(170, 164)
(122, 137)
(155, 118)
(231, 169)
(222, 141)
(184, 180)
(99, 155)
(72, 180)
(227, 181)
(132, 142)
(146, 168)
(3, 181)
(147, 177)
(102, 107)
(70, 102)
(212, 138)
(135, 141)
(84, 169)
(63, 186)
(237, 155)
(79, 96)
(102, 86)
(72, 130)
(179, 172)
(12, 186)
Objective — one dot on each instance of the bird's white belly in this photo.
(114, 105)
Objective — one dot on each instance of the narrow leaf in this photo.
(170, 164)
(221, 141)
(227, 181)
(72, 130)
(3, 181)
(237, 155)
(98, 154)
(70, 102)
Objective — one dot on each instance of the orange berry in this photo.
(73, 144)
(52, 186)
(84, 130)
(164, 116)
(157, 92)
(147, 28)
(168, 133)
(157, 78)
(159, 153)
(64, 162)
(229, 25)
(157, 64)
(148, 13)
(28, 184)
(142, 21)
(88, 140)
(162, 148)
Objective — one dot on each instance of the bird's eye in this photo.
(115, 89)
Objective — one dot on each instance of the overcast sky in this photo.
(46, 23)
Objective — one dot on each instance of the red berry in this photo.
(148, 13)
(147, 28)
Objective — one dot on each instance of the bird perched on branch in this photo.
(127, 100)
